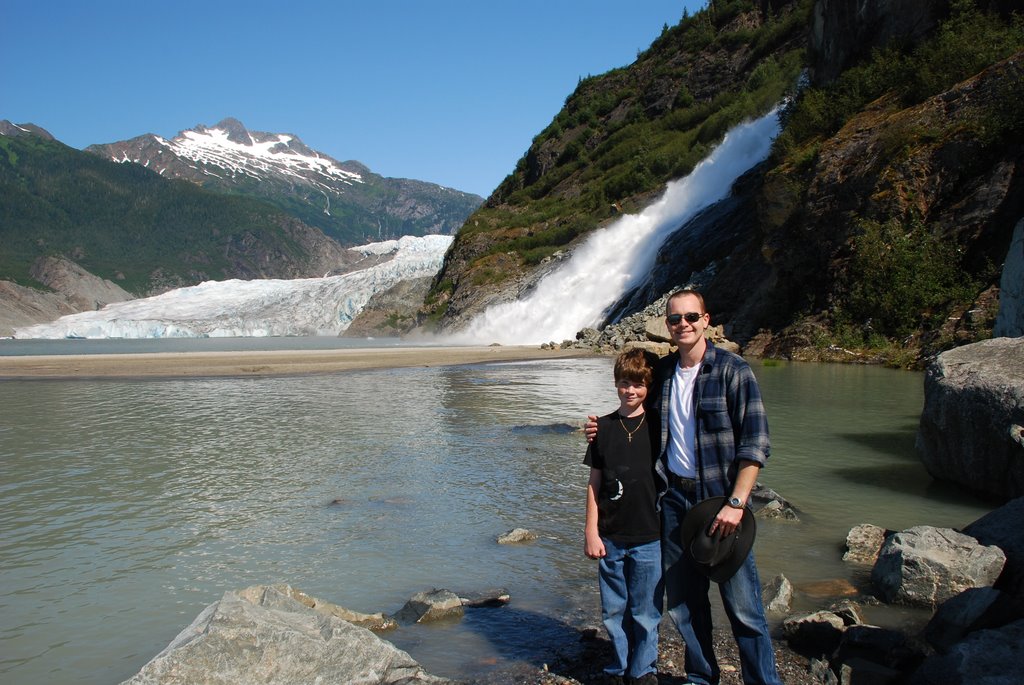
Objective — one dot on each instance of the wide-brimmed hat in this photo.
(716, 556)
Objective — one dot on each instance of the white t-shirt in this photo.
(682, 425)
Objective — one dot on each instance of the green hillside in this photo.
(876, 229)
(127, 224)
(622, 135)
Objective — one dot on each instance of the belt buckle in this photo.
(686, 484)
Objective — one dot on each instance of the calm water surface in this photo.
(126, 507)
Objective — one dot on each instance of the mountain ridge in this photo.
(147, 234)
(346, 200)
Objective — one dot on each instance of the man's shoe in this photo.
(646, 679)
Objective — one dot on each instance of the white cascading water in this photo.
(617, 258)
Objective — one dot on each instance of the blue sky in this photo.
(450, 92)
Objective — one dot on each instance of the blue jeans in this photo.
(686, 592)
(631, 589)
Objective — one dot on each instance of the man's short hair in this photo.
(636, 365)
(687, 291)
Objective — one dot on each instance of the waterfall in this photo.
(616, 258)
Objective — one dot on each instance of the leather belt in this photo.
(680, 483)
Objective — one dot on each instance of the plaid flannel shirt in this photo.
(731, 421)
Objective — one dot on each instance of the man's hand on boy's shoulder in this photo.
(590, 428)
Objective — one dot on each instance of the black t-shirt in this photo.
(626, 502)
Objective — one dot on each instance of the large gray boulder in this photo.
(975, 609)
(1010, 320)
(1003, 529)
(924, 566)
(971, 425)
(985, 657)
(263, 635)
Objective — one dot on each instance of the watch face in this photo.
(735, 502)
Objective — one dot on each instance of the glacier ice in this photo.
(267, 307)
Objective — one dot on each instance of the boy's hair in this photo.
(635, 365)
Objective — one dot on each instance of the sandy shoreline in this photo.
(268, 363)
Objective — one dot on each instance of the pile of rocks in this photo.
(645, 329)
(972, 580)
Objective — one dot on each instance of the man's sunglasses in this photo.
(691, 317)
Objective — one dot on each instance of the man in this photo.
(714, 443)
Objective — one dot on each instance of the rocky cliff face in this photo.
(21, 306)
(788, 262)
(71, 289)
(968, 193)
(391, 313)
(844, 30)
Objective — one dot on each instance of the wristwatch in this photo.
(735, 503)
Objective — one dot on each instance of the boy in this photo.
(623, 529)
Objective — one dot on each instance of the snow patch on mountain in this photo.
(229, 150)
(256, 157)
(269, 307)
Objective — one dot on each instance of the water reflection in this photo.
(128, 506)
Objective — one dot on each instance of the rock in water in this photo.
(268, 637)
(515, 536)
(863, 543)
(434, 605)
(924, 566)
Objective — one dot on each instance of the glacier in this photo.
(264, 307)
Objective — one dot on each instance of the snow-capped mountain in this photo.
(230, 151)
(344, 199)
(270, 307)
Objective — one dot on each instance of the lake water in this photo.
(126, 507)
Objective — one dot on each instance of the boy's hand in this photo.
(594, 547)
(590, 430)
